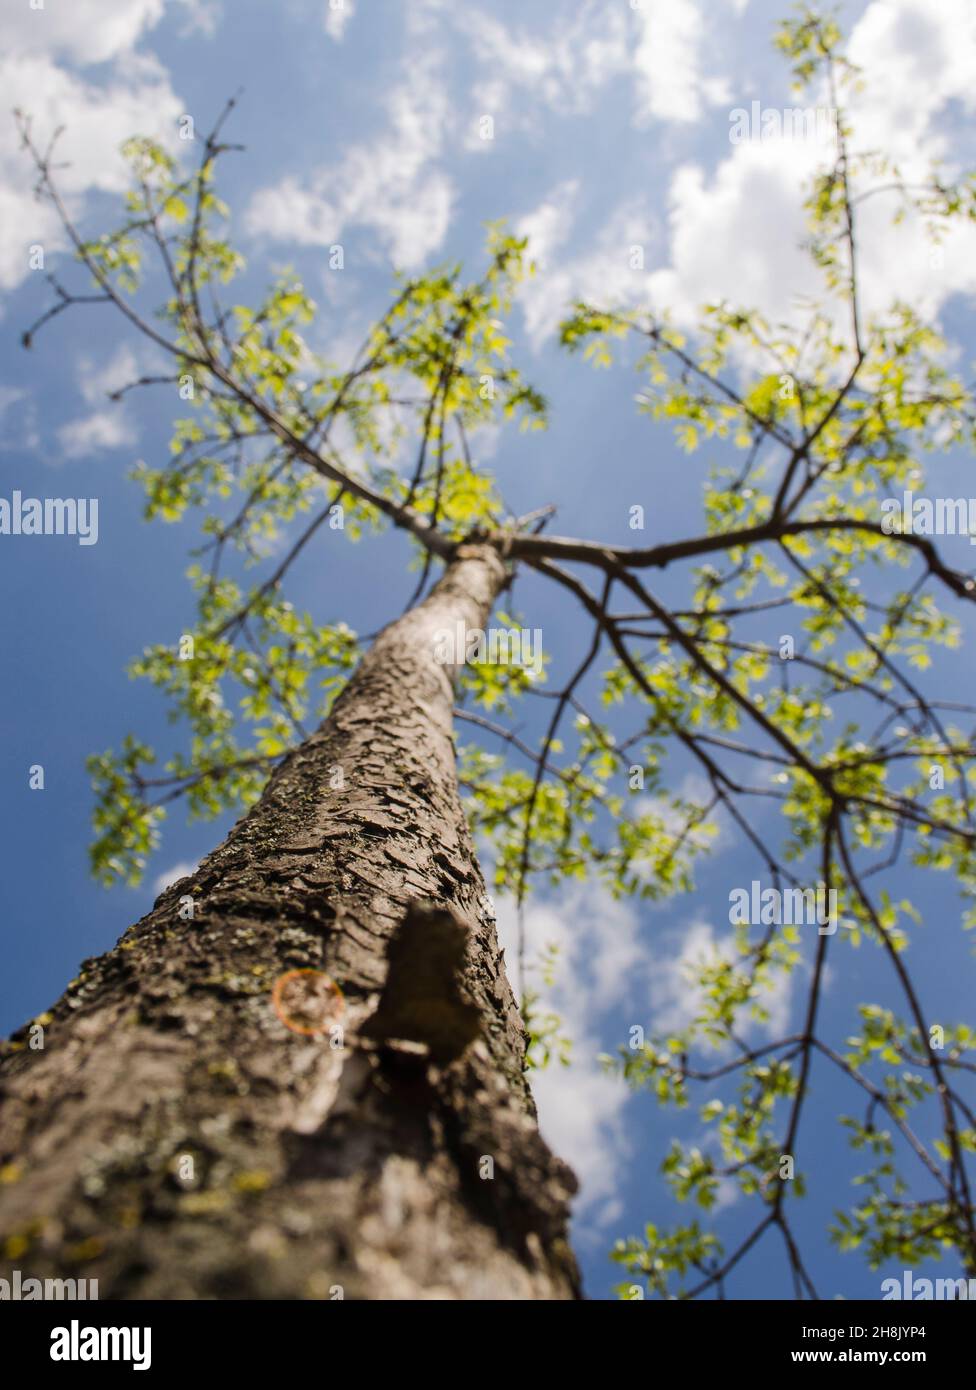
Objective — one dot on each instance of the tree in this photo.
(304, 1070)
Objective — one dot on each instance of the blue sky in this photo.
(363, 126)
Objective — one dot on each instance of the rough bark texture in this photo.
(176, 1139)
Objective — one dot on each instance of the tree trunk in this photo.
(179, 1137)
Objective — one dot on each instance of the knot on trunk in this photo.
(425, 999)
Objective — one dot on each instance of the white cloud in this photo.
(202, 17)
(916, 57)
(675, 997)
(338, 13)
(391, 184)
(604, 272)
(84, 31)
(173, 875)
(103, 429)
(134, 94)
(735, 234)
(561, 68)
(549, 224)
(581, 1107)
(609, 976)
(581, 1119)
(668, 63)
(109, 426)
(658, 44)
(20, 433)
(10, 395)
(96, 380)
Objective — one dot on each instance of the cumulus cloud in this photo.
(91, 434)
(610, 974)
(581, 1108)
(916, 58)
(657, 44)
(97, 379)
(108, 426)
(735, 234)
(561, 68)
(548, 225)
(338, 13)
(132, 93)
(86, 31)
(391, 184)
(676, 999)
(611, 270)
(668, 63)
(173, 875)
(394, 183)
(200, 17)
(734, 231)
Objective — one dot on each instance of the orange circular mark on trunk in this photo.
(307, 1001)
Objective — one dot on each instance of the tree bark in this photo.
(177, 1137)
